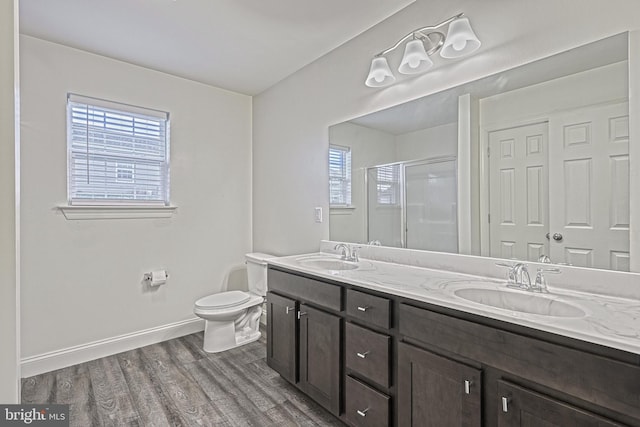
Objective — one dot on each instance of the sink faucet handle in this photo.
(540, 284)
(354, 253)
(544, 259)
(505, 264)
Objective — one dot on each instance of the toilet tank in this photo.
(257, 272)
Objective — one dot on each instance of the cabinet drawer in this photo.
(367, 353)
(364, 406)
(308, 290)
(369, 308)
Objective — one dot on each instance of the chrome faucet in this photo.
(522, 278)
(518, 276)
(348, 253)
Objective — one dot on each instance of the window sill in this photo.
(117, 212)
(341, 210)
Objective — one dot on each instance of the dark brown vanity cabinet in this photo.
(526, 381)
(304, 337)
(376, 359)
(434, 391)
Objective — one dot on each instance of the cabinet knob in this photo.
(363, 308)
(505, 404)
(301, 313)
(289, 309)
(467, 386)
(363, 355)
(363, 413)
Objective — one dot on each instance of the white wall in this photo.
(290, 120)
(603, 84)
(438, 141)
(82, 278)
(369, 147)
(9, 205)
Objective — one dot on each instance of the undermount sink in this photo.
(329, 264)
(522, 302)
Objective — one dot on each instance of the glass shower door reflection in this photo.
(384, 209)
(431, 206)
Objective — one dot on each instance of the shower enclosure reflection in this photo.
(413, 204)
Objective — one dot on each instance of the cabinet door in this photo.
(522, 407)
(320, 357)
(434, 391)
(282, 336)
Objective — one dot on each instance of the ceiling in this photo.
(241, 45)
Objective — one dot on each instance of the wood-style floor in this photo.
(175, 383)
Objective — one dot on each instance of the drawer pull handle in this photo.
(505, 404)
(289, 309)
(365, 308)
(467, 386)
(363, 355)
(301, 313)
(363, 413)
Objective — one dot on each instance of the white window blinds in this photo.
(339, 176)
(387, 185)
(118, 154)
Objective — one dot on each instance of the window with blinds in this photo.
(388, 184)
(117, 154)
(339, 176)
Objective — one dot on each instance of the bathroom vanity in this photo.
(381, 344)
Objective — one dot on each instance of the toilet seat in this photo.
(223, 300)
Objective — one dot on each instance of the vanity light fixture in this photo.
(459, 41)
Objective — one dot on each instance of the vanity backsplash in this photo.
(602, 282)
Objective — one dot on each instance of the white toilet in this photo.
(233, 317)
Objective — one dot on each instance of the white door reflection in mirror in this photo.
(519, 192)
(589, 186)
(562, 189)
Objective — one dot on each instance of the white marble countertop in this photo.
(609, 321)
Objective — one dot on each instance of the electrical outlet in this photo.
(318, 214)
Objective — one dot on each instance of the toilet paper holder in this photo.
(148, 277)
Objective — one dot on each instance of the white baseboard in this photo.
(58, 359)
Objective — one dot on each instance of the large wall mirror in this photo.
(531, 164)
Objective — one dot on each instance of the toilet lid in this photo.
(223, 300)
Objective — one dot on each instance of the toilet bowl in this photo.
(232, 318)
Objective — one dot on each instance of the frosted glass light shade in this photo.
(379, 74)
(415, 59)
(460, 41)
